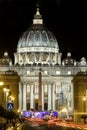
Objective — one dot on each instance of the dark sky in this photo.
(67, 19)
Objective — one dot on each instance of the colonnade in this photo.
(50, 97)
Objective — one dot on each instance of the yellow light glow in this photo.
(6, 90)
(18, 111)
(1, 83)
(13, 98)
(10, 96)
(84, 98)
(64, 110)
(7, 93)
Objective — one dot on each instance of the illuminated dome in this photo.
(37, 38)
(37, 45)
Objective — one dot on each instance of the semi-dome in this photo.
(37, 38)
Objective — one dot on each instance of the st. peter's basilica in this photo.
(39, 78)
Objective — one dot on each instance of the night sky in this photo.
(67, 19)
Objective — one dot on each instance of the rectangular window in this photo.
(58, 72)
(69, 88)
(69, 72)
(69, 103)
(36, 89)
(28, 91)
(45, 72)
(28, 72)
(45, 88)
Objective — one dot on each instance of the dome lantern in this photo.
(37, 18)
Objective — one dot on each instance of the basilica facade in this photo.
(45, 79)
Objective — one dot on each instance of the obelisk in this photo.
(40, 92)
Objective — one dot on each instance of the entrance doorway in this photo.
(45, 106)
(28, 106)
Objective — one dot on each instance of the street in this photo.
(27, 126)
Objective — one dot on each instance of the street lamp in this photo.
(11, 98)
(64, 111)
(84, 116)
(1, 93)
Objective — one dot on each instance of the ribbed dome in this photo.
(37, 38)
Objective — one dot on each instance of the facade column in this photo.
(33, 57)
(16, 58)
(49, 96)
(42, 97)
(31, 96)
(59, 58)
(86, 97)
(53, 94)
(41, 58)
(72, 102)
(27, 60)
(55, 57)
(20, 59)
(20, 96)
(24, 96)
(49, 58)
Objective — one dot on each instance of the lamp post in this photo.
(1, 93)
(84, 105)
(84, 101)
